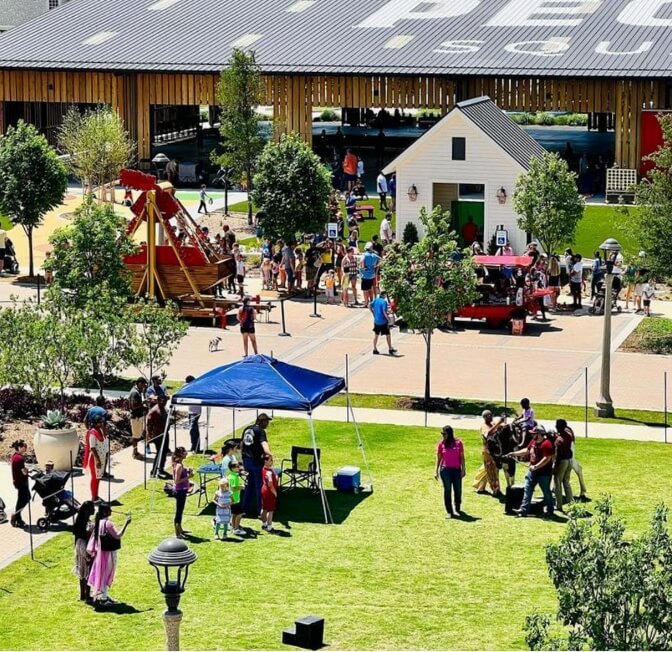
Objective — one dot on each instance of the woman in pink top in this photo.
(450, 465)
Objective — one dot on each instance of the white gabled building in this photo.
(468, 164)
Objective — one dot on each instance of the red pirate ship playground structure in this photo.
(175, 262)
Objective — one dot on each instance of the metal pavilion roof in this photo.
(574, 38)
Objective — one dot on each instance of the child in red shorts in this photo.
(269, 493)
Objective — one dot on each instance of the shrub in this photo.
(19, 403)
(328, 115)
(545, 119)
(410, 235)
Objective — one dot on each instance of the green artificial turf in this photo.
(598, 224)
(543, 411)
(392, 574)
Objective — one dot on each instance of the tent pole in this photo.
(233, 412)
(323, 496)
(360, 443)
(159, 453)
(347, 389)
(207, 430)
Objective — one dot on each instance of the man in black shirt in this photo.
(377, 246)
(254, 447)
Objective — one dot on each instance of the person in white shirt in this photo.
(386, 230)
(576, 281)
(648, 294)
(360, 168)
(381, 186)
(240, 273)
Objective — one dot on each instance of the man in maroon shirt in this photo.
(20, 481)
(469, 231)
(540, 472)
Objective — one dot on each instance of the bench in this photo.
(367, 208)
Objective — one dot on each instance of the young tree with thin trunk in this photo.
(98, 146)
(239, 93)
(548, 202)
(33, 180)
(429, 280)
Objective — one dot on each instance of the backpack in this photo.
(3, 513)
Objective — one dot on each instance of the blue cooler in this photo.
(347, 478)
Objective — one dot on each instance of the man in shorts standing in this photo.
(136, 405)
(380, 307)
(369, 269)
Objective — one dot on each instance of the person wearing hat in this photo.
(369, 268)
(157, 421)
(96, 453)
(540, 472)
(254, 447)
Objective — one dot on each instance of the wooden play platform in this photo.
(175, 262)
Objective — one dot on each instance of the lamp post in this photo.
(605, 406)
(171, 560)
(159, 162)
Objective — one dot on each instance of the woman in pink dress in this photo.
(103, 546)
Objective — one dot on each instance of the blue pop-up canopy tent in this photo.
(262, 382)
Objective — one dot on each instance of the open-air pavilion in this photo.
(145, 56)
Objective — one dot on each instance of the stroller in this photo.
(11, 265)
(600, 297)
(58, 502)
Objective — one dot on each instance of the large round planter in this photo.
(56, 445)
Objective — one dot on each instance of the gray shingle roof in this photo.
(352, 37)
(486, 115)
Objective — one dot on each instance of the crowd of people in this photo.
(551, 457)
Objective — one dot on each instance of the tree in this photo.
(548, 203)
(159, 330)
(613, 593)
(88, 255)
(32, 179)
(651, 222)
(429, 280)
(292, 188)
(239, 93)
(98, 145)
(105, 332)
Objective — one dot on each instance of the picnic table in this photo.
(366, 208)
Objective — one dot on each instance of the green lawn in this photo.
(600, 223)
(543, 411)
(651, 336)
(5, 223)
(393, 574)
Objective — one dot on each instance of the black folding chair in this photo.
(301, 469)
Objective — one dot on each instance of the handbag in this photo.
(108, 543)
(391, 319)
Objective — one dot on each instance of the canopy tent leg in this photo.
(323, 496)
(207, 430)
(360, 444)
(159, 452)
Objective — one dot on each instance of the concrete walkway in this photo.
(129, 473)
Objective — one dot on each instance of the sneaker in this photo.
(393, 351)
(448, 517)
(376, 352)
(519, 513)
(240, 532)
(269, 528)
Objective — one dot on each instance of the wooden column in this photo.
(124, 101)
(142, 121)
(293, 105)
(629, 98)
(2, 118)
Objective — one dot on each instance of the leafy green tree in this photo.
(88, 255)
(33, 180)
(292, 188)
(98, 145)
(614, 593)
(548, 203)
(105, 333)
(239, 93)
(651, 222)
(429, 280)
(159, 331)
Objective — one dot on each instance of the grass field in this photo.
(5, 223)
(544, 411)
(392, 574)
(598, 224)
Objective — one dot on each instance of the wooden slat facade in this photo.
(294, 97)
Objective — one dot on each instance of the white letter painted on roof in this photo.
(537, 13)
(553, 47)
(459, 47)
(603, 48)
(643, 13)
(395, 10)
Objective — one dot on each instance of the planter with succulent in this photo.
(56, 440)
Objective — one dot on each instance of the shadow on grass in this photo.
(120, 609)
(304, 506)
